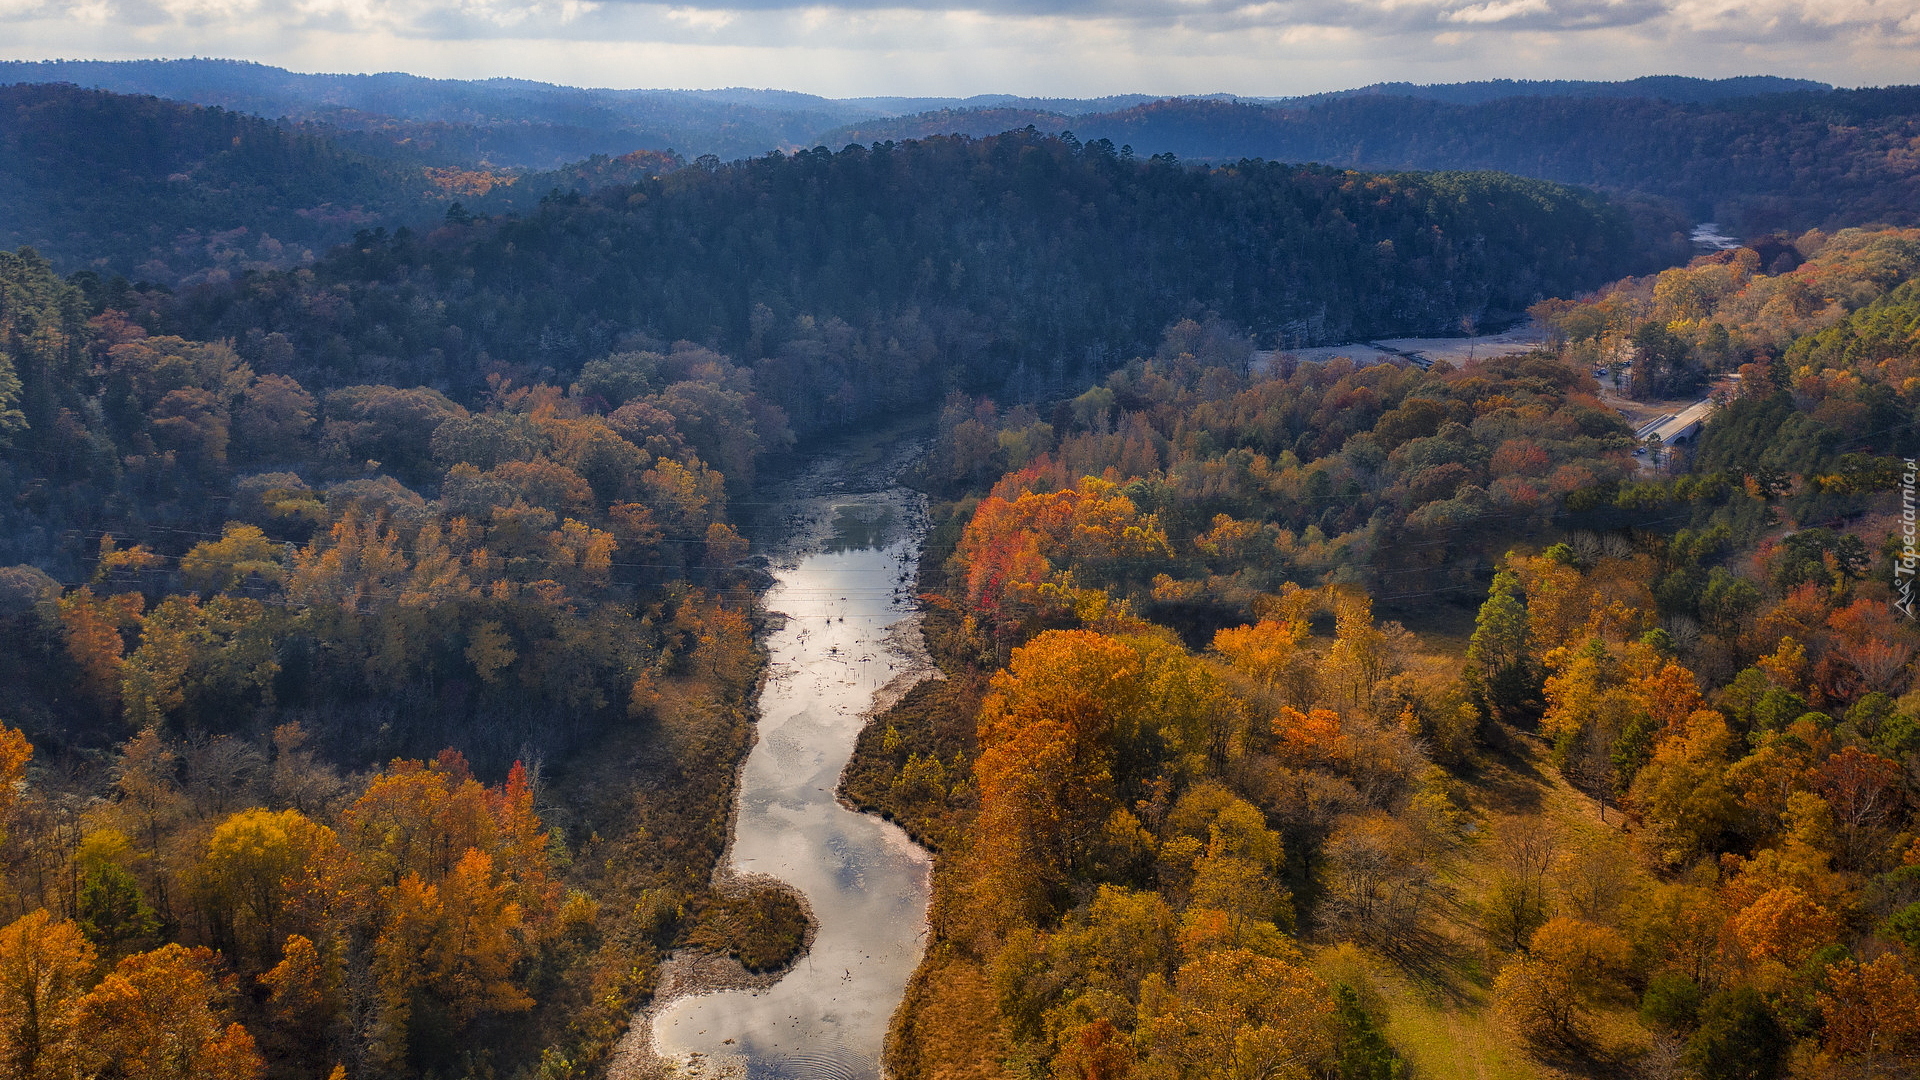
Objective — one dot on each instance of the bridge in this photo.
(1675, 428)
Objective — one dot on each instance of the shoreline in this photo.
(808, 517)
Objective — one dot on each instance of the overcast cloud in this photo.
(1042, 47)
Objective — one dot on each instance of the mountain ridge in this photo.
(523, 123)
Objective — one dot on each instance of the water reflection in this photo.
(859, 525)
(867, 883)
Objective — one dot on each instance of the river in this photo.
(844, 635)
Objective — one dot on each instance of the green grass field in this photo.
(1437, 1008)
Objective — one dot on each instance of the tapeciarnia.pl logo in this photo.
(1909, 560)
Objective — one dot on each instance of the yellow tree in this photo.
(1045, 772)
(256, 866)
(1592, 960)
(1679, 927)
(1872, 1011)
(155, 676)
(1266, 653)
(1192, 707)
(1028, 780)
(151, 802)
(1362, 653)
(15, 752)
(1118, 939)
(458, 940)
(411, 933)
(1769, 777)
(304, 994)
(359, 563)
(1234, 1014)
(438, 575)
(303, 982)
(490, 650)
(685, 498)
(241, 553)
(1570, 965)
(220, 650)
(1558, 601)
(158, 1016)
(44, 965)
(125, 566)
(482, 943)
(92, 627)
(582, 556)
(1606, 702)
(1683, 789)
(1779, 932)
(1220, 853)
(419, 817)
(725, 545)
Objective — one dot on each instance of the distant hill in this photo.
(515, 123)
(160, 190)
(1756, 163)
(518, 123)
(901, 106)
(506, 122)
(1680, 88)
(975, 123)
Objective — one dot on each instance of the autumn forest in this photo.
(382, 623)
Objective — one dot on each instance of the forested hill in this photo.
(863, 281)
(505, 121)
(158, 189)
(1758, 164)
(1653, 818)
(1658, 87)
(519, 122)
(151, 188)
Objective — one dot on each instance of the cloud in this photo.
(1055, 47)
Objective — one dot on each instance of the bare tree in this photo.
(1524, 851)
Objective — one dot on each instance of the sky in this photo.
(1069, 48)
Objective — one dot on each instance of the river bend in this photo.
(842, 601)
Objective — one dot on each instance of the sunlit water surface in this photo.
(867, 882)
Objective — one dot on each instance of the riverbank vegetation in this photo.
(1650, 812)
(247, 624)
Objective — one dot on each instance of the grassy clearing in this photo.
(1445, 1033)
(1436, 1008)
